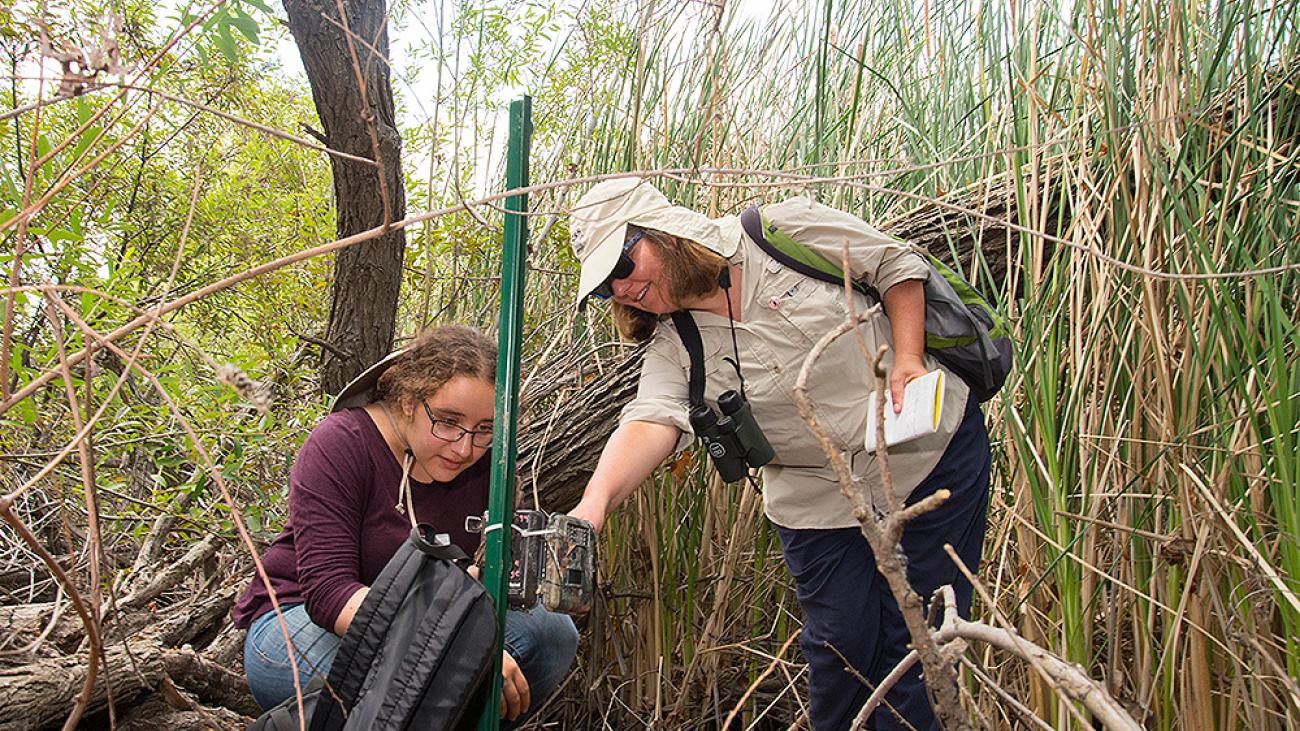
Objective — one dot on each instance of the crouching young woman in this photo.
(407, 441)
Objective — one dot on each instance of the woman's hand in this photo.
(592, 510)
(515, 696)
(905, 369)
(349, 610)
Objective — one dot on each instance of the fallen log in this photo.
(40, 693)
(128, 615)
(209, 681)
(173, 710)
(559, 450)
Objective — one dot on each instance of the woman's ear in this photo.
(407, 406)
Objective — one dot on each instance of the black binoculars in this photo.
(734, 442)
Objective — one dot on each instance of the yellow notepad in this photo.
(922, 410)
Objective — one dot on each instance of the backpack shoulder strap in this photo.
(282, 717)
(690, 335)
(445, 551)
(785, 249)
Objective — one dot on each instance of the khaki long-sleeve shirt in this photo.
(783, 314)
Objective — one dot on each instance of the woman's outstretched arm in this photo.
(633, 451)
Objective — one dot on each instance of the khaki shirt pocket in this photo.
(807, 309)
(790, 437)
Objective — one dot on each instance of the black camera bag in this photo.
(415, 656)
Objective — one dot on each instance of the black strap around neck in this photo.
(690, 335)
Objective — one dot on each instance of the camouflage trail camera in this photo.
(551, 558)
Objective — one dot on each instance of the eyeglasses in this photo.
(622, 269)
(450, 431)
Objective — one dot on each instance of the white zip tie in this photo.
(531, 533)
(525, 533)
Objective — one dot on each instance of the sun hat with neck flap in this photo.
(360, 391)
(598, 226)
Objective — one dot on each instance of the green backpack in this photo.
(962, 330)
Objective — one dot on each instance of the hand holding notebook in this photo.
(922, 410)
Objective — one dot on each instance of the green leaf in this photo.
(226, 43)
(260, 6)
(230, 470)
(58, 234)
(245, 25)
(25, 410)
(86, 139)
(198, 486)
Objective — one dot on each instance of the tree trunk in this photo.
(356, 120)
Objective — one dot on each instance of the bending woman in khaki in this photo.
(652, 258)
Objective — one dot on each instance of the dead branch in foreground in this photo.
(883, 532)
(937, 650)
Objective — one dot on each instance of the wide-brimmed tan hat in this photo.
(599, 221)
(360, 391)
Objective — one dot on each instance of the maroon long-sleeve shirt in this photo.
(343, 525)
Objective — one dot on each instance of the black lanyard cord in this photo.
(724, 281)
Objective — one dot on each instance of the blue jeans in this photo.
(543, 643)
(847, 604)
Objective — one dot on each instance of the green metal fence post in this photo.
(509, 337)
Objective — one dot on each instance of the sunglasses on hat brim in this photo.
(623, 269)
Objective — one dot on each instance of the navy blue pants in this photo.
(847, 603)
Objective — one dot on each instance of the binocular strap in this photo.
(690, 335)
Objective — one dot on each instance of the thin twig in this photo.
(1226, 518)
(19, 240)
(214, 473)
(1007, 698)
(264, 129)
(6, 513)
(92, 520)
(1067, 679)
(887, 684)
(850, 180)
(761, 677)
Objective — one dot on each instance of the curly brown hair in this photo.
(690, 270)
(437, 356)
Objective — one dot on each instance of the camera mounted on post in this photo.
(552, 559)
